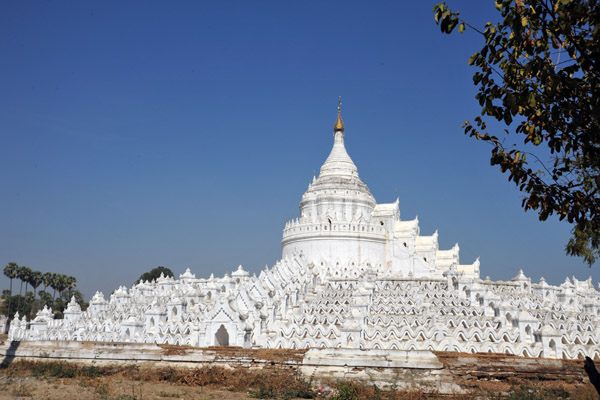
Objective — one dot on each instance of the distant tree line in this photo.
(154, 274)
(30, 303)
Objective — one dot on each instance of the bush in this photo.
(346, 391)
(91, 372)
(263, 392)
(54, 369)
(300, 389)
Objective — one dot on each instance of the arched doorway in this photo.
(222, 336)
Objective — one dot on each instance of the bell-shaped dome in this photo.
(339, 162)
(338, 182)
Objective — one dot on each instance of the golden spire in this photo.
(339, 125)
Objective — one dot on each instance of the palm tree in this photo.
(71, 283)
(47, 281)
(61, 284)
(20, 276)
(10, 271)
(24, 274)
(36, 280)
(55, 284)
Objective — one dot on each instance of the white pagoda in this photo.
(352, 275)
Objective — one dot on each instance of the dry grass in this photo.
(28, 379)
(22, 389)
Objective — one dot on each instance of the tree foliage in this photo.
(155, 273)
(10, 271)
(537, 74)
(27, 304)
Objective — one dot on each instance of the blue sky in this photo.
(183, 134)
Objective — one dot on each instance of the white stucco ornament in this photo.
(352, 275)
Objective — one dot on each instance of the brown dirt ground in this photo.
(485, 375)
(118, 389)
(106, 388)
(65, 381)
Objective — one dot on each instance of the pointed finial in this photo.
(339, 125)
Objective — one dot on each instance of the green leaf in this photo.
(452, 25)
(473, 58)
(510, 100)
(517, 75)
